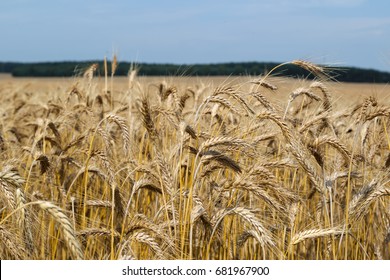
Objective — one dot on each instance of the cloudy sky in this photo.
(336, 32)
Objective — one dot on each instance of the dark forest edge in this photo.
(75, 68)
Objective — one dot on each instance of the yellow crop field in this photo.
(194, 168)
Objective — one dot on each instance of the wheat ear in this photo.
(66, 225)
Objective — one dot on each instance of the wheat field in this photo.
(194, 168)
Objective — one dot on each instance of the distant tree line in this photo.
(73, 68)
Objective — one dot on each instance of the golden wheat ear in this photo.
(66, 226)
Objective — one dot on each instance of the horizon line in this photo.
(187, 64)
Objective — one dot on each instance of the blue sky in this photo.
(336, 32)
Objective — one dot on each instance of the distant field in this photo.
(193, 168)
(344, 93)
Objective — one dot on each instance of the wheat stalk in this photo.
(66, 225)
(316, 233)
(12, 244)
